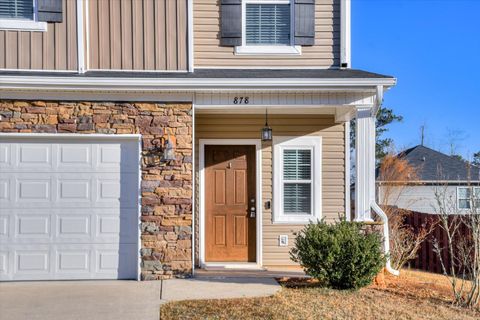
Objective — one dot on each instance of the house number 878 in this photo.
(241, 100)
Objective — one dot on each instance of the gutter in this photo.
(186, 84)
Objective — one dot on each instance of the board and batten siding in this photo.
(208, 52)
(215, 126)
(138, 35)
(54, 49)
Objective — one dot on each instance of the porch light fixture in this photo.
(168, 150)
(266, 131)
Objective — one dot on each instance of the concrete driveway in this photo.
(120, 300)
(71, 300)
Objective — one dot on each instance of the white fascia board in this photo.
(176, 84)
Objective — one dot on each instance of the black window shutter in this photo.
(231, 23)
(304, 22)
(50, 10)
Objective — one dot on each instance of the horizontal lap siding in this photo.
(55, 49)
(333, 165)
(209, 53)
(138, 34)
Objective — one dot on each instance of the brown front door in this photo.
(230, 232)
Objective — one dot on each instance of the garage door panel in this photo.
(5, 155)
(114, 157)
(68, 209)
(36, 155)
(68, 261)
(75, 156)
(32, 261)
(74, 227)
(5, 190)
(4, 263)
(68, 190)
(112, 228)
(33, 226)
(4, 226)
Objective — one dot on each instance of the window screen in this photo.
(267, 24)
(16, 9)
(297, 181)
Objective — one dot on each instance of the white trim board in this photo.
(96, 84)
(80, 37)
(258, 152)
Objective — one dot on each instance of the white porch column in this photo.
(365, 164)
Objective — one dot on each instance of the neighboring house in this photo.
(439, 177)
(131, 142)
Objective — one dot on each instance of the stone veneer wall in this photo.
(166, 221)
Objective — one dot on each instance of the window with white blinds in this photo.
(297, 179)
(267, 24)
(16, 9)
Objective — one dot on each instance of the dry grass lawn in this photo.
(414, 295)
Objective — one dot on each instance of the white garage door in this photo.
(68, 207)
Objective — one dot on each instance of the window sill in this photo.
(22, 25)
(268, 50)
(294, 219)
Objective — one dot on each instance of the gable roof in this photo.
(434, 166)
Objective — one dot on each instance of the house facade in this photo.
(142, 139)
(444, 184)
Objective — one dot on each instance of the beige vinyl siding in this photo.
(55, 49)
(209, 53)
(138, 34)
(333, 166)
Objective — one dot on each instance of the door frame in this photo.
(258, 183)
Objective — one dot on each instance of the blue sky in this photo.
(433, 49)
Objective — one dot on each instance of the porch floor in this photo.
(214, 272)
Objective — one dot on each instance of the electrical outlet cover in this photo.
(283, 240)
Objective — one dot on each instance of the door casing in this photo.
(259, 203)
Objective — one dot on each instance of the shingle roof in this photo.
(221, 74)
(433, 165)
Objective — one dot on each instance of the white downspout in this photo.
(376, 207)
(386, 237)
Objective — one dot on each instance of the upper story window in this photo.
(29, 15)
(16, 9)
(267, 24)
(468, 198)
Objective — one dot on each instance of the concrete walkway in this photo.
(119, 300)
(218, 288)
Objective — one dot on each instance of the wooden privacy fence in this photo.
(427, 259)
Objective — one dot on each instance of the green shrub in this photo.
(340, 255)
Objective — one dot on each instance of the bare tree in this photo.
(459, 254)
(395, 176)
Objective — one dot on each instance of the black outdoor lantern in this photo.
(266, 131)
(168, 150)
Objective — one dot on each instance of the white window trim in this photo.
(24, 24)
(470, 200)
(307, 142)
(292, 49)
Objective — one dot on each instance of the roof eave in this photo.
(60, 83)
